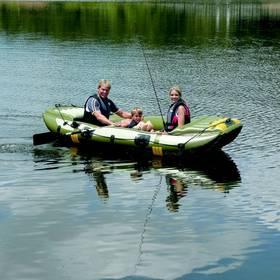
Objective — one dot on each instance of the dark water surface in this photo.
(72, 214)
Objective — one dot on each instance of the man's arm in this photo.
(102, 118)
(123, 114)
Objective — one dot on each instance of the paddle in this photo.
(44, 138)
(47, 137)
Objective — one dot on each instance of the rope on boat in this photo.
(203, 130)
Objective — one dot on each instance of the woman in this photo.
(178, 113)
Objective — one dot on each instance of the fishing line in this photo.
(147, 218)
(153, 84)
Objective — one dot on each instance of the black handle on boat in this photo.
(44, 138)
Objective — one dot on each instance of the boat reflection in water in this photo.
(213, 171)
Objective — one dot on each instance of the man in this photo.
(98, 107)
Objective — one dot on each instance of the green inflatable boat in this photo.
(201, 134)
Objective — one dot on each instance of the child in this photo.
(136, 121)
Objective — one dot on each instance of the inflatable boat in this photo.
(204, 133)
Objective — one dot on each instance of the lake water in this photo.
(72, 214)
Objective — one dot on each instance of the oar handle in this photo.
(44, 138)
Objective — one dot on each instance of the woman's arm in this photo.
(181, 116)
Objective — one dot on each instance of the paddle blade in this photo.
(44, 138)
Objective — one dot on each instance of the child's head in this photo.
(137, 114)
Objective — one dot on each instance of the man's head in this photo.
(103, 88)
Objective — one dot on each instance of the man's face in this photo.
(103, 91)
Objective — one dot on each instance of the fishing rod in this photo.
(153, 85)
(57, 106)
(74, 123)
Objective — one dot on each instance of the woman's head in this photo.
(175, 93)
